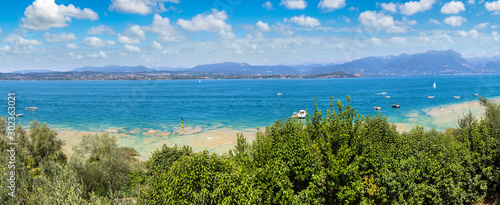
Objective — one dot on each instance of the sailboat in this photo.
(434, 86)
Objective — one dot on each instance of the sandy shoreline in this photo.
(220, 139)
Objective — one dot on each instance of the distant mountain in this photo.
(114, 69)
(32, 71)
(428, 63)
(230, 68)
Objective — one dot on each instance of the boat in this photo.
(199, 81)
(301, 115)
(475, 94)
(434, 86)
(32, 108)
(383, 93)
(395, 106)
(280, 94)
(430, 97)
(457, 97)
(18, 115)
(377, 108)
(387, 96)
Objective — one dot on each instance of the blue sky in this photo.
(65, 34)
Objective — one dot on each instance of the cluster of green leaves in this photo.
(339, 158)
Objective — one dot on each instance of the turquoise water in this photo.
(236, 104)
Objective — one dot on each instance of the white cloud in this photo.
(494, 34)
(132, 48)
(75, 56)
(97, 55)
(398, 40)
(132, 35)
(71, 46)
(20, 41)
(330, 5)
(455, 20)
(434, 21)
(5, 48)
(268, 5)
(481, 25)
(166, 32)
(453, 7)
(492, 6)
(379, 21)
(262, 26)
(213, 22)
(470, 34)
(294, 4)
(44, 14)
(494, 26)
(102, 29)
(143, 7)
(413, 7)
(304, 21)
(391, 7)
(375, 41)
(156, 45)
(471, 1)
(97, 42)
(62, 37)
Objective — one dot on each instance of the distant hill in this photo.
(230, 68)
(114, 69)
(428, 63)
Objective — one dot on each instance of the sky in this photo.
(66, 34)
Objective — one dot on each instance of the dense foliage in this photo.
(333, 157)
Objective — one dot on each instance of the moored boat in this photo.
(280, 94)
(301, 115)
(387, 96)
(475, 94)
(396, 105)
(377, 108)
(32, 108)
(18, 115)
(457, 97)
(430, 97)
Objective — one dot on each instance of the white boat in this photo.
(383, 93)
(301, 115)
(387, 96)
(18, 115)
(280, 94)
(475, 94)
(396, 105)
(430, 97)
(32, 108)
(377, 108)
(457, 97)
(434, 86)
(199, 81)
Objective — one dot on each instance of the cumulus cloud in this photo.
(455, 20)
(156, 45)
(214, 22)
(102, 29)
(413, 7)
(44, 14)
(101, 54)
(132, 35)
(71, 46)
(5, 48)
(268, 5)
(398, 40)
(20, 41)
(166, 32)
(294, 4)
(492, 5)
(391, 7)
(262, 26)
(143, 7)
(380, 21)
(62, 37)
(434, 21)
(132, 48)
(304, 21)
(330, 5)
(75, 56)
(470, 34)
(481, 25)
(453, 7)
(97, 42)
(375, 41)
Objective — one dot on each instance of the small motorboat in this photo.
(18, 115)
(457, 97)
(387, 96)
(430, 97)
(377, 108)
(280, 94)
(396, 105)
(383, 93)
(475, 94)
(32, 108)
(199, 81)
(301, 115)
(434, 86)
